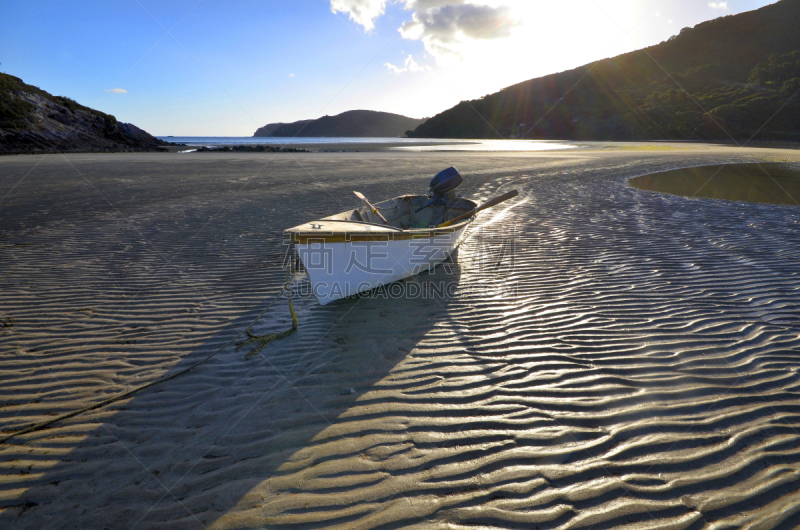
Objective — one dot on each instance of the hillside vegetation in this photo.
(32, 120)
(724, 76)
(353, 123)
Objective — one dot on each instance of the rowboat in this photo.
(358, 250)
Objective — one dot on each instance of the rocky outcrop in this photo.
(34, 121)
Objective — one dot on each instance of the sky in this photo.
(222, 68)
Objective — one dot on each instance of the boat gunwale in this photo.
(345, 236)
(391, 233)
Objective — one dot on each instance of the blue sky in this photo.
(227, 68)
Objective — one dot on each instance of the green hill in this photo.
(32, 120)
(353, 123)
(727, 74)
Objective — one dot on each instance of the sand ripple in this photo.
(640, 367)
(610, 357)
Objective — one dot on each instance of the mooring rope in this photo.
(265, 339)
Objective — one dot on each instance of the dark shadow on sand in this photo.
(184, 452)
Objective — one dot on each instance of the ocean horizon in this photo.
(457, 144)
(272, 140)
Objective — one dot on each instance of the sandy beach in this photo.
(602, 356)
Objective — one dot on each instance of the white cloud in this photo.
(363, 12)
(291, 75)
(718, 5)
(410, 65)
(117, 91)
(443, 29)
(431, 4)
(443, 26)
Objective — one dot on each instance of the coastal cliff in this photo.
(34, 121)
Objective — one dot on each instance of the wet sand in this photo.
(603, 356)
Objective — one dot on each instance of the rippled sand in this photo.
(605, 357)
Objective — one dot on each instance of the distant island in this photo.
(353, 123)
(737, 71)
(35, 121)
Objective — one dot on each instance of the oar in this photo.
(487, 204)
(370, 206)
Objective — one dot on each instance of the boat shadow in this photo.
(184, 452)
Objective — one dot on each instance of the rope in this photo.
(44, 424)
(263, 340)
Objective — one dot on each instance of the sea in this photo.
(414, 144)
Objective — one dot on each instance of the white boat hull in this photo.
(341, 269)
(358, 250)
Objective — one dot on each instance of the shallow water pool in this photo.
(764, 183)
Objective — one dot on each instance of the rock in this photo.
(35, 121)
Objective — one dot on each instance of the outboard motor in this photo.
(444, 184)
(443, 187)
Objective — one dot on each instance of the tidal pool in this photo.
(766, 183)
